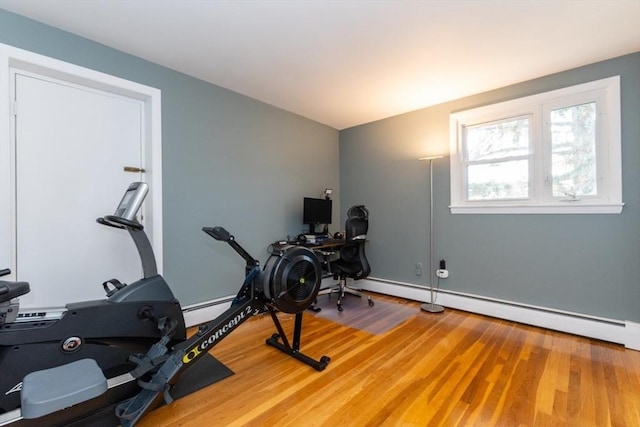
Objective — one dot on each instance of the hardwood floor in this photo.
(450, 369)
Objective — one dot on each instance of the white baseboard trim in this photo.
(611, 330)
(633, 341)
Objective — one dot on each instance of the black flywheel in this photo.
(292, 278)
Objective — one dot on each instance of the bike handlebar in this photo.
(118, 222)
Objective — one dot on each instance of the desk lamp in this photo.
(431, 307)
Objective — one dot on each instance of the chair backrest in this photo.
(353, 250)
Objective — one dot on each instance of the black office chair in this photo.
(353, 261)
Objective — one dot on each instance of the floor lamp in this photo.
(431, 307)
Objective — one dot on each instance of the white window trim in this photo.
(609, 160)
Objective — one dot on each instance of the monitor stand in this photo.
(312, 230)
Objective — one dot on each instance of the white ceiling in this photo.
(348, 62)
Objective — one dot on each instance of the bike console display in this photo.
(125, 218)
(125, 214)
(131, 201)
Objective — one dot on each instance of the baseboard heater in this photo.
(611, 330)
(602, 328)
(202, 312)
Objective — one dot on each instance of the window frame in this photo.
(528, 156)
(605, 93)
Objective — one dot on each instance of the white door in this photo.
(71, 145)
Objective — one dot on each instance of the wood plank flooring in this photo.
(450, 369)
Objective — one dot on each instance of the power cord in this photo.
(437, 288)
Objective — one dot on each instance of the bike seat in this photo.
(11, 290)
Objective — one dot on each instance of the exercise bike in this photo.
(130, 320)
(69, 386)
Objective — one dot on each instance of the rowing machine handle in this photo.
(218, 233)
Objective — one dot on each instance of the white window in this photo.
(555, 152)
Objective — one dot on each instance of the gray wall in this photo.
(246, 165)
(227, 160)
(582, 263)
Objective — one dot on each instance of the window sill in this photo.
(612, 208)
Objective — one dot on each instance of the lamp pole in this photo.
(431, 307)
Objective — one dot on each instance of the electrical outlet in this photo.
(442, 273)
(419, 268)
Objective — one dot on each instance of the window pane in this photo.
(498, 139)
(573, 150)
(504, 180)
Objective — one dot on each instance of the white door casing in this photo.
(132, 110)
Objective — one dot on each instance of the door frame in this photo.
(16, 58)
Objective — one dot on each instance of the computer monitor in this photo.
(316, 211)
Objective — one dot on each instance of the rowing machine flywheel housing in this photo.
(292, 278)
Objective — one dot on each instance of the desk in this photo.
(327, 249)
(327, 244)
